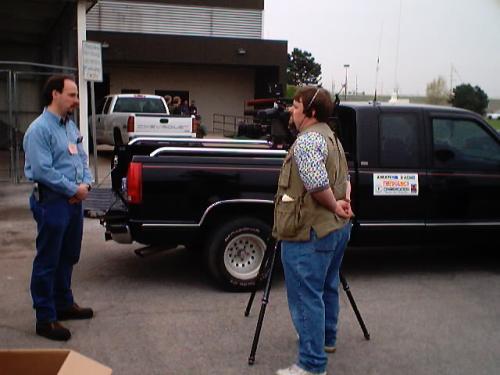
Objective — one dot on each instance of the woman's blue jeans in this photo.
(312, 282)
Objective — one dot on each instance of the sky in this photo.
(436, 37)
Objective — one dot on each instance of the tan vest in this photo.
(299, 212)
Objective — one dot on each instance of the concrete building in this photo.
(210, 51)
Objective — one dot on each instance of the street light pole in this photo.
(346, 66)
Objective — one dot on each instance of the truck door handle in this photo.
(164, 121)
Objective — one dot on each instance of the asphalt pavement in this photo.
(429, 311)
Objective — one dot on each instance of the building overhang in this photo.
(175, 49)
(31, 22)
(240, 4)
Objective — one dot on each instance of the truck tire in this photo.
(235, 251)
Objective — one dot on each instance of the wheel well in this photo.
(224, 212)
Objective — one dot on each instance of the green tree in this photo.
(302, 69)
(437, 92)
(468, 97)
(290, 91)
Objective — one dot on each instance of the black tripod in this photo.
(267, 268)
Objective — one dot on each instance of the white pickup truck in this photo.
(138, 115)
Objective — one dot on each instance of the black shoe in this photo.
(75, 312)
(53, 330)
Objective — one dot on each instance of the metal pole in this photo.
(82, 84)
(62, 67)
(346, 66)
(11, 127)
(14, 128)
(451, 80)
(94, 134)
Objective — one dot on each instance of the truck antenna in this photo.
(396, 82)
(378, 62)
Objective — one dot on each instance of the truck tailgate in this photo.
(99, 201)
(148, 125)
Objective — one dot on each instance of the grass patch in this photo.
(494, 123)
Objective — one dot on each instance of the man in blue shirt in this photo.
(57, 163)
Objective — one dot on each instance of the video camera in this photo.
(282, 133)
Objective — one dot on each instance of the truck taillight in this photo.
(130, 124)
(195, 124)
(134, 183)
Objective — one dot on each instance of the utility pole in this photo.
(396, 83)
(451, 80)
(346, 66)
(454, 70)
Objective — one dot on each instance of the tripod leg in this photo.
(264, 267)
(265, 300)
(347, 290)
(250, 302)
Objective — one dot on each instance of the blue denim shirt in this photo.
(48, 159)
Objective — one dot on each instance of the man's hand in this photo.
(343, 209)
(81, 193)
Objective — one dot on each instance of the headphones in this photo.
(306, 109)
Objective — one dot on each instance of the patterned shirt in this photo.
(310, 153)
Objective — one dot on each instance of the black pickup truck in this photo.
(420, 175)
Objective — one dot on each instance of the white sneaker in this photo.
(296, 370)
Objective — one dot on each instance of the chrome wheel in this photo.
(243, 256)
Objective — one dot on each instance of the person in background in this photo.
(185, 108)
(312, 212)
(192, 108)
(176, 105)
(57, 164)
(168, 100)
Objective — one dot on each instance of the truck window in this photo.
(464, 145)
(398, 140)
(344, 125)
(106, 105)
(100, 106)
(139, 105)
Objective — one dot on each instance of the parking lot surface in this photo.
(429, 311)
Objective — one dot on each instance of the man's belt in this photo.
(43, 194)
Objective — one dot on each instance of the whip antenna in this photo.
(378, 61)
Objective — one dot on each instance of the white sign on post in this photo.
(92, 61)
(92, 72)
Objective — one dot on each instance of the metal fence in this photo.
(228, 124)
(20, 103)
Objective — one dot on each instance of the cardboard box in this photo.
(48, 362)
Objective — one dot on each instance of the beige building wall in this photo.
(221, 90)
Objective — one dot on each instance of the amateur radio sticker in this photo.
(395, 184)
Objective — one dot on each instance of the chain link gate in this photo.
(20, 104)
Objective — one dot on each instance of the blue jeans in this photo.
(312, 282)
(58, 244)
